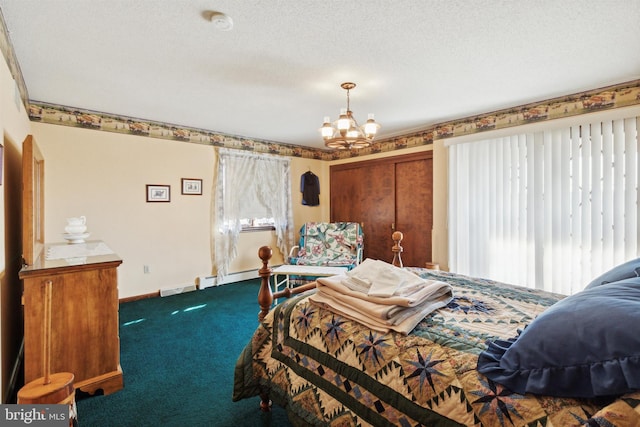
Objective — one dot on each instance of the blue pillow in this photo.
(627, 270)
(584, 346)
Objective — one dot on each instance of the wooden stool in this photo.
(59, 390)
(52, 388)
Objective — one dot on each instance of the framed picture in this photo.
(192, 186)
(158, 193)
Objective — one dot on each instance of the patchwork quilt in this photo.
(329, 371)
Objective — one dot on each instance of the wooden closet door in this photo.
(414, 212)
(387, 194)
(366, 195)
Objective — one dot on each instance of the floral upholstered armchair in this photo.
(329, 244)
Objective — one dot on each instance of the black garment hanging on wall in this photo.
(310, 188)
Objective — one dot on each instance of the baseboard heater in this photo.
(209, 281)
(174, 290)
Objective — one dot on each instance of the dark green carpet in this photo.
(178, 354)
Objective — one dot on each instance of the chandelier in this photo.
(345, 133)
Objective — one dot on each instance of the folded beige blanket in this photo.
(425, 290)
(398, 312)
(402, 321)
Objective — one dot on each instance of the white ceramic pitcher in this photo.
(76, 225)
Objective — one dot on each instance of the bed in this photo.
(326, 370)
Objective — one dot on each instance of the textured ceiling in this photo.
(277, 73)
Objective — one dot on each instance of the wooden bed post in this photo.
(265, 299)
(265, 296)
(397, 249)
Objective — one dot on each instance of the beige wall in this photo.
(14, 127)
(102, 175)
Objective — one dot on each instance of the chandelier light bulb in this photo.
(371, 127)
(343, 121)
(326, 130)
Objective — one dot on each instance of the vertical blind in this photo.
(547, 209)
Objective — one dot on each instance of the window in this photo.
(257, 224)
(252, 191)
(548, 209)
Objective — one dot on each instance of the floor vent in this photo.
(165, 292)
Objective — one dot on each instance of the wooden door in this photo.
(384, 195)
(32, 201)
(414, 212)
(366, 195)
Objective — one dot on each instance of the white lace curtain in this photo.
(548, 209)
(242, 177)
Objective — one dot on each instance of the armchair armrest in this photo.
(294, 251)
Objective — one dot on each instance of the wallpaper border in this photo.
(610, 97)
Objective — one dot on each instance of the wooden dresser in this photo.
(84, 319)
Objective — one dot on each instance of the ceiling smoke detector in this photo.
(220, 21)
